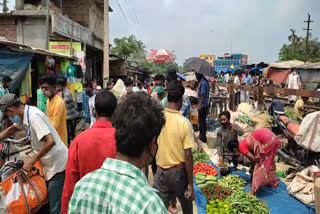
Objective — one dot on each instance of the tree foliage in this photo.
(131, 49)
(4, 5)
(296, 49)
(161, 68)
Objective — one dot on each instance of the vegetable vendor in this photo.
(227, 139)
(261, 147)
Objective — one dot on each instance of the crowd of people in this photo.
(105, 167)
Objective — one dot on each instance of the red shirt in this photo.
(87, 152)
(244, 147)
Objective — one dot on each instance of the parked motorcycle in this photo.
(293, 153)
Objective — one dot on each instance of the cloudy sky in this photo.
(190, 28)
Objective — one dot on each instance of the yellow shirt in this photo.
(175, 137)
(298, 105)
(56, 112)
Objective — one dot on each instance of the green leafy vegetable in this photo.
(233, 182)
(241, 202)
(200, 157)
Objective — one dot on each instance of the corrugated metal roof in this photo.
(309, 66)
(26, 48)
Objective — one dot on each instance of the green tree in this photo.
(131, 49)
(296, 49)
(161, 68)
(4, 5)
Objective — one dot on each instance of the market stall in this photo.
(228, 194)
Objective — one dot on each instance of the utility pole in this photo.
(106, 44)
(307, 38)
(47, 25)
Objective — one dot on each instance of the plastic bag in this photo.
(302, 186)
(11, 194)
(309, 132)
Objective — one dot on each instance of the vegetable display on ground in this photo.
(217, 206)
(233, 182)
(202, 180)
(246, 119)
(200, 157)
(214, 191)
(204, 168)
(241, 202)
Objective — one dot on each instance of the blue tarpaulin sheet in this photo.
(277, 199)
(14, 64)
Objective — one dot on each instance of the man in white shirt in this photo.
(226, 77)
(237, 91)
(139, 87)
(46, 144)
(293, 82)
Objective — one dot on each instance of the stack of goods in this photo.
(204, 168)
(214, 192)
(200, 157)
(225, 195)
(242, 202)
(218, 206)
(203, 180)
(233, 182)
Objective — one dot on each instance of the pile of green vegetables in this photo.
(214, 192)
(233, 182)
(246, 119)
(200, 157)
(217, 206)
(241, 202)
(291, 115)
(203, 180)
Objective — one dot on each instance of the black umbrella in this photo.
(200, 66)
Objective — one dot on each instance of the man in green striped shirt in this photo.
(119, 186)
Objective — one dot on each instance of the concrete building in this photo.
(209, 58)
(234, 60)
(70, 20)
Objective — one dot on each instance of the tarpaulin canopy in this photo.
(284, 65)
(14, 64)
(278, 76)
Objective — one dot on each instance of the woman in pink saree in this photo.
(261, 147)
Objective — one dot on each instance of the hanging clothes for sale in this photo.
(25, 90)
(78, 89)
(41, 101)
(64, 65)
(70, 74)
(78, 73)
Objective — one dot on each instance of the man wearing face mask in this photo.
(174, 177)
(71, 108)
(227, 134)
(46, 145)
(56, 109)
(125, 189)
(159, 92)
(98, 140)
(129, 90)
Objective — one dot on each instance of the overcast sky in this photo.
(190, 28)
